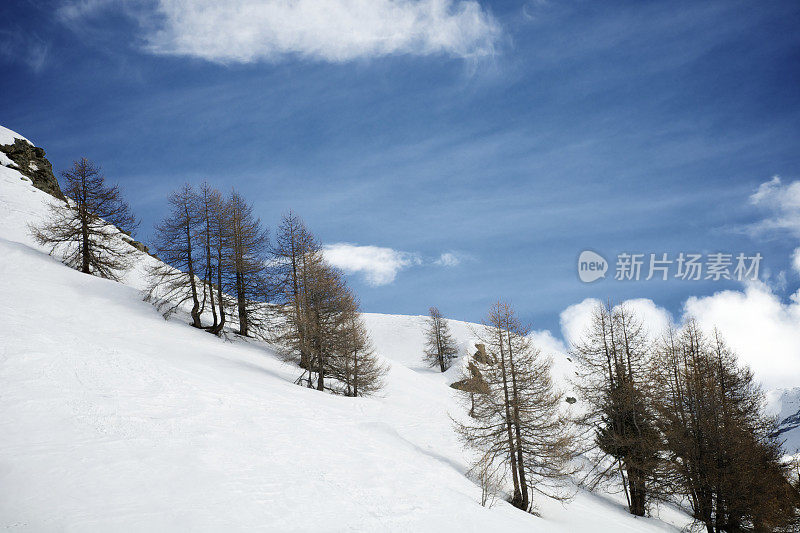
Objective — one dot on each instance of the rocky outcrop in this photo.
(30, 161)
(481, 356)
(475, 383)
(136, 244)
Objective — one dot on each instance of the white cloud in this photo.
(783, 203)
(763, 331)
(243, 31)
(448, 259)
(576, 318)
(654, 319)
(378, 265)
(796, 260)
(758, 326)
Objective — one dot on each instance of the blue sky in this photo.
(509, 136)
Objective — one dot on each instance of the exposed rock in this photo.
(136, 244)
(140, 246)
(481, 356)
(570, 400)
(474, 383)
(30, 161)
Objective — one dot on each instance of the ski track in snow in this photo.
(116, 420)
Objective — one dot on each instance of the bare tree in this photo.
(517, 422)
(249, 245)
(175, 282)
(440, 347)
(319, 326)
(613, 354)
(486, 471)
(295, 255)
(85, 229)
(354, 362)
(722, 451)
(218, 222)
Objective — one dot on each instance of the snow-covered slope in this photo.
(116, 420)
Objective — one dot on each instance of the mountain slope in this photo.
(114, 419)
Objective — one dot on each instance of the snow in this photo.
(7, 136)
(785, 404)
(5, 161)
(117, 420)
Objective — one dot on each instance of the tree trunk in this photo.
(515, 411)
(241, 303)
(220, 301)
(517, 499)
(195, 303)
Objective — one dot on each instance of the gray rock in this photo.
(30, 161)
(475, 383)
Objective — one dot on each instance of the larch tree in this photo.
(318, 325)
(295, 255)
(613, 356)
(517, 423)
(327, 300)
(354, 363)
(722, 453)
(218, 222)
(86, 230)
(176, 281)
(248, 245)
(208, 201)
(440, 347)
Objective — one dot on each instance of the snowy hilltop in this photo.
(115, 419)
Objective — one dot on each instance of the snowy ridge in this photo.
(7, 136)
(114, 419)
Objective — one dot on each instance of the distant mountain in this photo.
(789, 416)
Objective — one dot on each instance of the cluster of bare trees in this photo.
(516, 425)
(721, 451)
(215, 261)
(677, 418)
(615, 375)
(319, 325)
(219, 264)
(87, 229)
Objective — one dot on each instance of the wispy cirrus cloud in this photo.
(448, 259)
(17, 46)
(245, 31)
